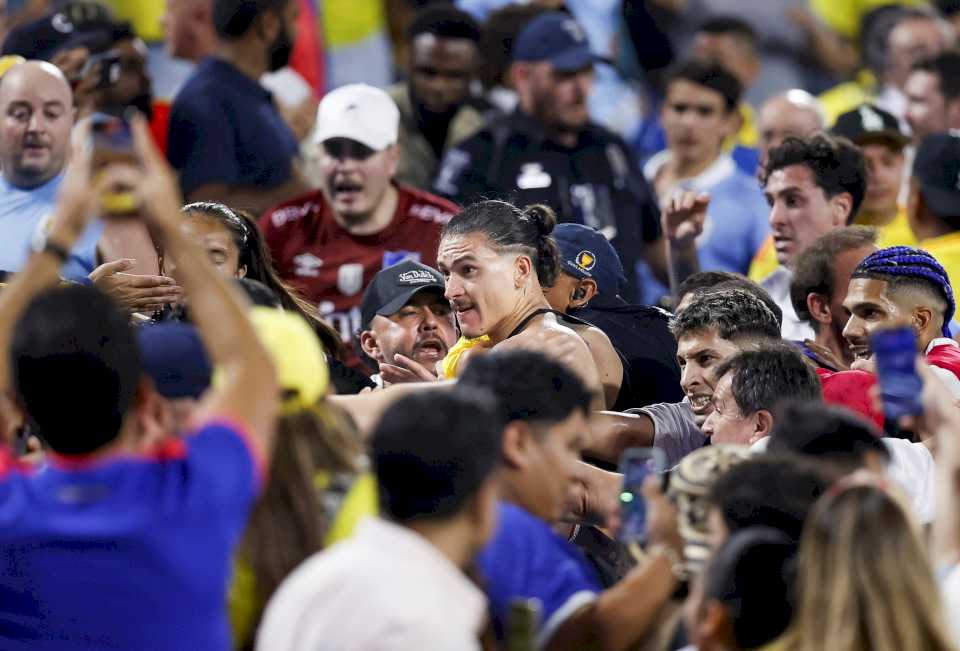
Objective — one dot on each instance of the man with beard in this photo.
(436, 111)
(330, 243)
(227, 139)
(406, 319)
(548, 151)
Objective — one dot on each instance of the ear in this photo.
(585, 290)
(921, 319)
(393, 159)
(242, 271)
(713, 626)
(517, 441)
(518, 75)
(522, 270)
(842, 209)
(268, 25)
(152, 425)
(368, 342)
(819, 308)
(734, 121)
(763, 424)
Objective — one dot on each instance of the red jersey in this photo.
(331, 267)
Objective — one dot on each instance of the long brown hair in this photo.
(255, 256)
(865, 580)
(290, 520)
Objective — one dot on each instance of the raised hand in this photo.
(684, 216)
(135, 293)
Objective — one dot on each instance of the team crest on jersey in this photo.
(307, 265)
(391, 258)
(585, 260)
(350, 279)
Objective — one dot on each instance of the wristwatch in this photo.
(42, 244)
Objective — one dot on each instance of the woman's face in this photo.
(481, 283)
(217, 242)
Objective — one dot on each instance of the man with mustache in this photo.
(406, 319)
(227, 139)
(330, 243)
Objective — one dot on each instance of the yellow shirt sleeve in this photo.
(451, 362)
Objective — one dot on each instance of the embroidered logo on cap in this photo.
(585, 260)
(870, 119)
(415, 277)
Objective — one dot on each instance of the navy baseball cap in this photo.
(393, 287)
(173, 357)
(586, 253)
(558, 38)
(937, 170)
(76, 24)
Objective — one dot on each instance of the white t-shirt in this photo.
(386, 588)
(912, 468)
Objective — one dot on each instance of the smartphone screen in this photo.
(895, 353)
(636, 464)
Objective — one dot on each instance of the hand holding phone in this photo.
(636, 464)
(111, 141)
(895, 353)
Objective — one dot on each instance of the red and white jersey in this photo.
(943, 356)
(331, 267)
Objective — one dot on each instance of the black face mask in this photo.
(280, 49)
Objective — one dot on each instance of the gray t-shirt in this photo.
(675, 430)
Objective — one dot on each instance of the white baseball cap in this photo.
(358, 112)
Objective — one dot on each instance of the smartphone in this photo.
(108, 65)
(895, 353)
(636, 464)
(111, 141)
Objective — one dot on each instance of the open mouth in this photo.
(861, 351)
(346, 190)
(781, 243)
(700, 402)
(430, 349)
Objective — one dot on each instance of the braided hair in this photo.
(905, 265)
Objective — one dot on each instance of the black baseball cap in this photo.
(76, 24)
(869, 124)
(558, 38)
(937, 170)
(393, 287)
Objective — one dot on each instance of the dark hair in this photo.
(255, 257)
(829, 433)
(528, 386)
(753, 574)
(762, 378)
(496, 40)
(946, 66)
(709, 75)
(705, 280)
(431, 451)
(233, 18)
(771, 491)
(508, 228)
(813, 272)
(444, 22)
(292, 516)
(77, 366)
(836, 163)
(905, 267)
(721, 25)
(258, 293)
(733, 313)
(750, 287)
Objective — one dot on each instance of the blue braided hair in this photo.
(905, 263)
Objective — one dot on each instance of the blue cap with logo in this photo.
(586, 253)
(557, 38)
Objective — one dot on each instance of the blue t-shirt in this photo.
(526, 559)
(127, 553)
(736, 226)
(22, 214)
(225, 129)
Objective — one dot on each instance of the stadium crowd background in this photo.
(336, 324)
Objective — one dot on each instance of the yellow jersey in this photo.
(946, 249)
(896, 233)
(450, 364)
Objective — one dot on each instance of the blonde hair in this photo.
(865, 581)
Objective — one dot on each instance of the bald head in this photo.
(36, 115)
(793, 113)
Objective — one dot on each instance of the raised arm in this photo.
(246, 390)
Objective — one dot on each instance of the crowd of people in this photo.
(372, 369)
